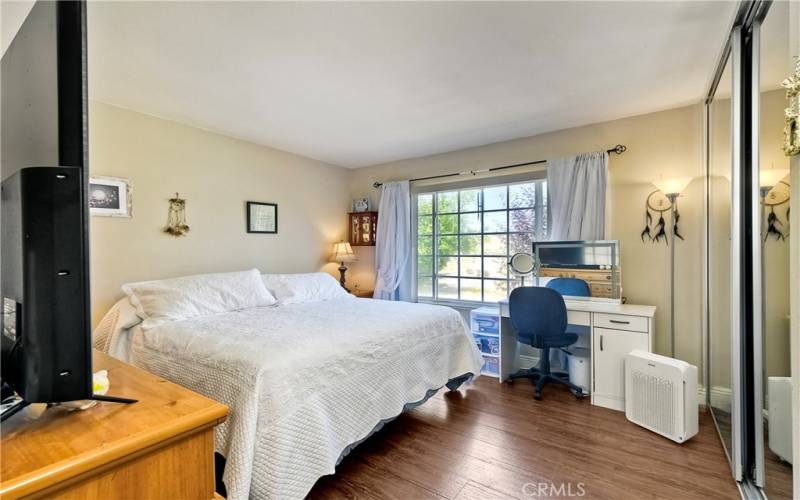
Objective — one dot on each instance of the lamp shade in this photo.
(675, 185)
(343, 252)
(769, 177)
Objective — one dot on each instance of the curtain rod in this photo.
(619, 149)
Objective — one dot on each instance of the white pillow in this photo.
(162, 301)
(303, 287)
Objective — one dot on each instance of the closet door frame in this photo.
(731, 54)
(747, 439)
(737, 416)
(757, 356)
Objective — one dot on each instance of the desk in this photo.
(160, 447)
(614, 331)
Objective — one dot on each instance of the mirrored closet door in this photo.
(749, 370)
(775, 474)
(719, 130)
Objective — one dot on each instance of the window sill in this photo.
(457, 304)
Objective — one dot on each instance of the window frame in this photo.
(540, 213)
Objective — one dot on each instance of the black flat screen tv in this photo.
(46, 338)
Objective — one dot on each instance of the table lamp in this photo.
(343, 252)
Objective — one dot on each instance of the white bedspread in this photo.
(303, 381)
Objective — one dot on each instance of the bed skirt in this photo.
(452, 385)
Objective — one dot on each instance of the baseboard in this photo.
(720, 397)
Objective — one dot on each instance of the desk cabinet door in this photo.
(609, 350)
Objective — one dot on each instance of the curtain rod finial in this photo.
(377, 184)
(620, 148)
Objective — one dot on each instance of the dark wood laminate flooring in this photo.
(493, 441)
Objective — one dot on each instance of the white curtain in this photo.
(393, 243)
(576, 196)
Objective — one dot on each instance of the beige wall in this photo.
(216, 174)
(794, 265)
(776, 253)
(719, 246)
(667, 143)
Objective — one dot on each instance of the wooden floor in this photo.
(777, 473)
(492, 441)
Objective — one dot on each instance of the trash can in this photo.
(579, 362)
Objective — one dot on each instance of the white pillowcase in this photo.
(304, 287)
(162, 301)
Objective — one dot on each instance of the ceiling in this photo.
(356, 84)
(12, 14)
(773, 53)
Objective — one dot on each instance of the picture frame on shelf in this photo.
(361, 204)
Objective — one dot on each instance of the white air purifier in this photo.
(661, 395)
(780, 416)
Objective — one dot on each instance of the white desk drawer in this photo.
(621, 322)
(579, 318)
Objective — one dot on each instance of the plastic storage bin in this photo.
(485, 320)
(579, 362)
(487, 344)
(491, 366)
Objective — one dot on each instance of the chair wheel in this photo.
(537, 396)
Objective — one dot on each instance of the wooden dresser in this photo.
(599, 280)
(160, 447)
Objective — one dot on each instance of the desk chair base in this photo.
(536, 376)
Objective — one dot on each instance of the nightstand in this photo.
(364, 294)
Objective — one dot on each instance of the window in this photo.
(465, 237)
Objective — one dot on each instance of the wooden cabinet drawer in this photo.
(601, 290)
(621, 322)
(598, 275)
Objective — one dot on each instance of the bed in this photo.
(307, 370)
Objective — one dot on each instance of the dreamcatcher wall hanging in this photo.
(176, 217)
(656, 205)
(775, 197)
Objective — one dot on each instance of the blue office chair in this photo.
(570, 286)
(539, 318)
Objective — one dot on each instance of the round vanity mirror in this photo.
(522, 264)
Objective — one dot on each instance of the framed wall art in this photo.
(110, 197)
(262, 217)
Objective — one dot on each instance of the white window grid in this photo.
(538, 233)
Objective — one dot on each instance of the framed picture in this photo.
(110, 197)
(262, 217)
(361, 204)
